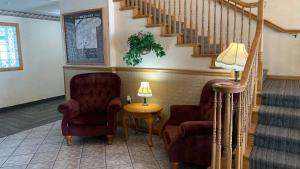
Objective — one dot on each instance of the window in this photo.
(10, 49)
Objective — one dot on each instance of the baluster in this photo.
(249, 30)
(154, 12)
(239, 133)
(202, 27)
(146, 7)
(179, 36)
(227, 33)
(234, 25)
(174, 18)
(228, 131)
(136, 4)
(219, 133)
(191, 21)
(214, 35)
(208, 28)
(159, 12)
(197, 25)
(150, 10)
(221, 27)
(141, 8)
(164, 15)
(242, 26)
(214, 144)
(185, 23)
(128, 3)
(169, 19)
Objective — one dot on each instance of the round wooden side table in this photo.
(138, 110)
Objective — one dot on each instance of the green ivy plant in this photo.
(140, 44)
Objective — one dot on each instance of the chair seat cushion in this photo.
(91, 119)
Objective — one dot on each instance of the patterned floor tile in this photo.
(18, 160)
(5, 152)
(117, 159)
(15, 167)
(10, 143)
(67, 164)
(44, 157)
(2, 160)
(48, 147)
(145, 165)
(32, 141)
(43, 165)
(22, 150)
(92, 162)
(126, 166)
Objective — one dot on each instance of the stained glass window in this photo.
(9, 49)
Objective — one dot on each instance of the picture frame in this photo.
(85, 37)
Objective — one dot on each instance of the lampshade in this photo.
(145, 90)
(233, 58)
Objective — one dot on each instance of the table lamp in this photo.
(145, 91)
(233, 58)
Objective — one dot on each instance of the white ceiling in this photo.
(47, 7)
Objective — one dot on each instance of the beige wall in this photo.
(42, 51)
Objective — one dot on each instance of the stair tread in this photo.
(272, 157)
(278, 110)
(279, 116)
(274, 131)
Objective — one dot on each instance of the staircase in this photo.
(209, 26)
(277, 135)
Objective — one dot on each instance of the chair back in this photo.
(93, 91)
(207, 99)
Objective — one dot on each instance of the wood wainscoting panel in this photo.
(167, 88)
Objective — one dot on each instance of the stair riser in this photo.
(275, 143)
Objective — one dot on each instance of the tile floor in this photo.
(44, 148)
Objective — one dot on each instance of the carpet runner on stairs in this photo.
(277, 136)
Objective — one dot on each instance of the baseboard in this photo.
(282, 77)
(31, 103)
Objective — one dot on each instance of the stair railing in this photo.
(209, 26)
(239, 99)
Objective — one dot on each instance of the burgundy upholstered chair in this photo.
(92, 109)
(188, 132)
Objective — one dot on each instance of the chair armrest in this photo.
(182, 113)
(113, 108)
(69, 109)
(196, 128)
(114, 105)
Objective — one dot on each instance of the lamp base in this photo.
(236, 75)
(145, 102)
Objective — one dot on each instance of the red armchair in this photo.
(188, 132)
(93, 107)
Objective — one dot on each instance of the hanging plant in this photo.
(139, 44)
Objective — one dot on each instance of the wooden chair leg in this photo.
(109, 139)
(174, 165)
(69, 139)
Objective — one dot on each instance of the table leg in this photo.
(136, 121)
(125, 126)
(149, 122)
(161, 124)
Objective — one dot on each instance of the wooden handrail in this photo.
(237, 88)
(268, 23)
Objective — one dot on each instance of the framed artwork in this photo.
(85, 37)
